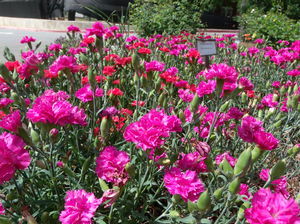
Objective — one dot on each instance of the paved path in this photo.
(11, 38)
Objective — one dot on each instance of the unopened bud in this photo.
(204, 201)
(277, 170)
(234, 186)
(243, 162)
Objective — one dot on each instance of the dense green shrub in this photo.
(166, 16)
(272, 26)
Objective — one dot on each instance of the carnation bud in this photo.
(99, 44)
(219, 87)
(244, 97)
(86, 165)
(104, 127)
(275, 97)
(40, 164)
(226, 168)
(192, 206)
(277, 124)
(234, 186)
(91, 77)
(289, 103)
(289, 90)
(176, 199)
(294, 151)
(298, 198)
(260, 114)
(68, 171)
(4, 72)
(34, 136)
(104, 187)
(243, 162)
(53, 133)
(164, 161)
(242, 209)
(130, 169)
(282, 91)
(254, 102)
(135, 61)
(174, 214)
(181, 116)
(295, 100)
(225, 106)
(270, 112)
(218, 193)
(45, 217)
(209, 164)
(84, 59)
(278, 170)
(161, 99)
(256, 153)
(195, 103)
(204, 201)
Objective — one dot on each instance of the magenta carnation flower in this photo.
(269, 101)
(11, 122)
(80, 207)
(192, 161)
(206, 88)
(13, 156)
(265, 140)
(53, 108)
(226, 155)
(154, 66)
(152, 129)
(221, 71)
(111, 166)
(279, 185)
(97, 29)
(249, 126)
(5, 101)
(73, 28)
(85, 94)
(186, 184)
(27, 39)
(63, 63)
(185, 95)
(268, 207)
(55, 47)
(2, 211)
(109, 197)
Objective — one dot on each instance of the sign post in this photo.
(206, 48)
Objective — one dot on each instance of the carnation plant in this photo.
(122, 129)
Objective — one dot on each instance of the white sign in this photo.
(206, 47)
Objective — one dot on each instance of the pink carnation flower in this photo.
(186, 184)
(13, 156)
(5, 101)
(55, 47)
(226, 155)
(279, 185)
(73, 28)
(111, 166)
(63, 63)
(154, 66)
(185, 95)
(27, 39)
(269, 101)
(53, 108)
(80, 207)
(244, 191)
(2, 210)
(221, 71)
(192, 161)
(152, 129)
(85, 94)
(109, 197)
(249, 126)
(265, 140)
(11, 122)
(268, 207)
(206, 88)
(245, 83)
(97, 29)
